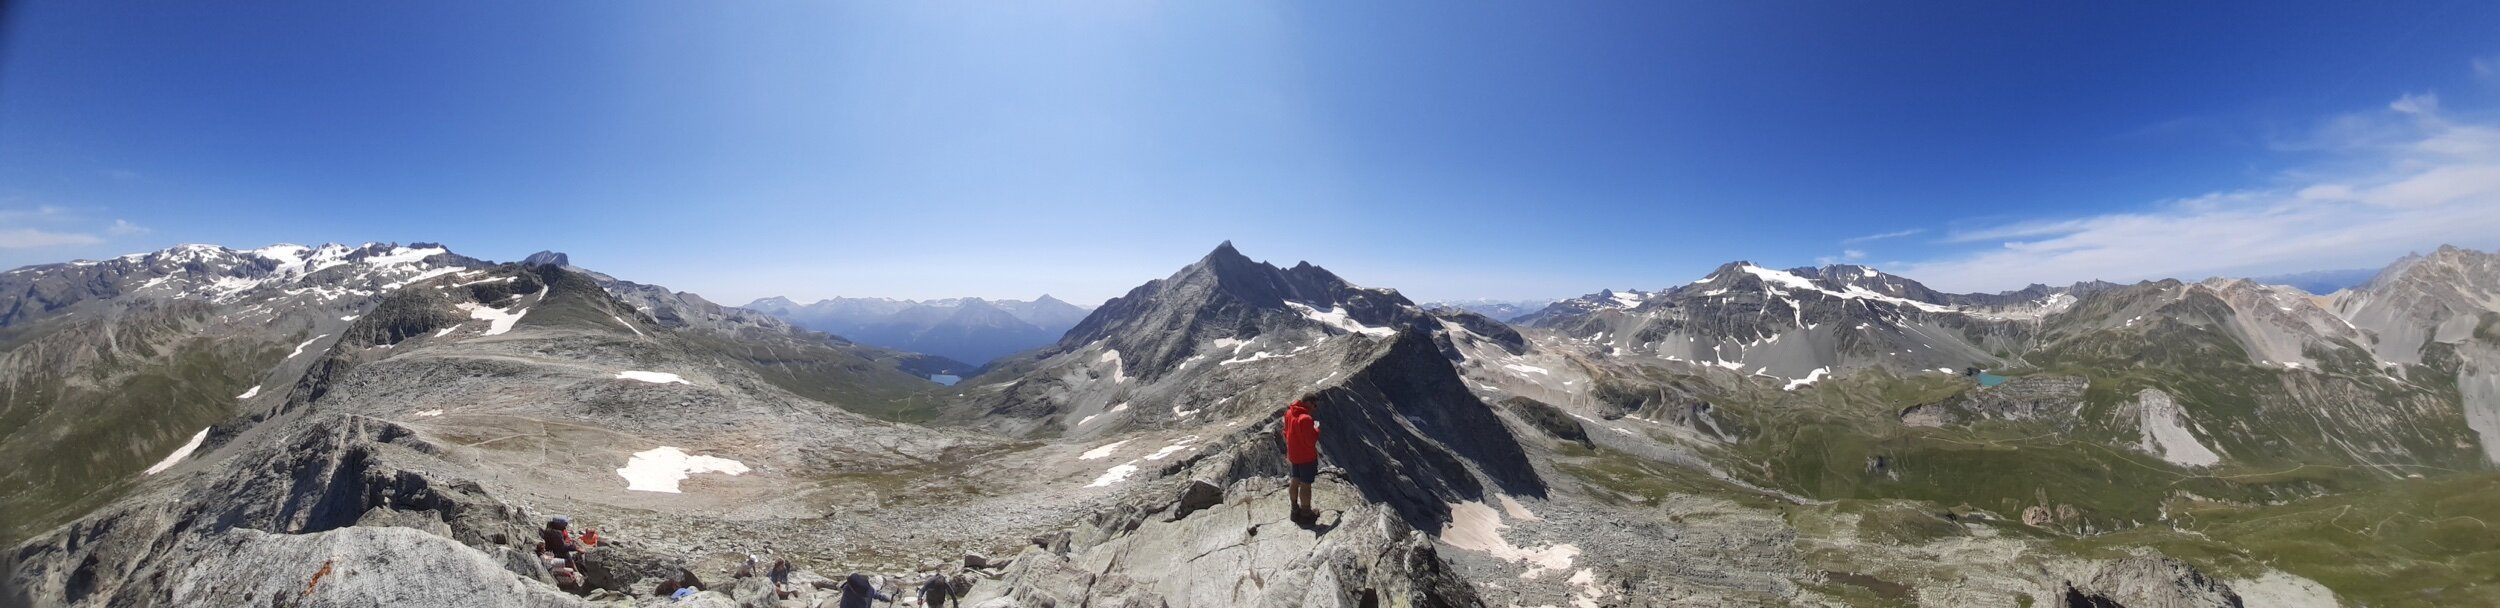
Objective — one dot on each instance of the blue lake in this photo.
(945, 379)
(1988, 379)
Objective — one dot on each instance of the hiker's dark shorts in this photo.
(1306, 473)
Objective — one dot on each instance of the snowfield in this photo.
(652, 377)
(499, 320)
(1101, 452)
(1114, 475)
(659, 469)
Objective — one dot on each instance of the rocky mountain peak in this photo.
(547, 258)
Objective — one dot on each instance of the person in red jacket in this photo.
(1302, 451)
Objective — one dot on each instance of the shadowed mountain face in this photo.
(972, 330)
(1228, 336)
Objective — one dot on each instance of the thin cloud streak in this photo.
(1877, 237)
(29, 238)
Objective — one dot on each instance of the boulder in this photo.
(354, 566)
(621, 565)
(754, 592)
(1197, 494)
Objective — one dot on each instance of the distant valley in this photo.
(973, 331)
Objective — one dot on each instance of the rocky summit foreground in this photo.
(387, 425)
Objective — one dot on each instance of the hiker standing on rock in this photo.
(1302, 451)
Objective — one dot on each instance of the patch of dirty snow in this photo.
(1475, 526)
(299, 348)
(1253, 358)
(621, 321)
(447, 331)
(1175, 448)
(1512, 508)
(659, 469)
(652, 377)
(1114, 475)
(1101, 452)
(1337, 317)
(498, 320)
(1119, 370)
(1178, 412)
(248, 394)
(1811, 376)
(421, 277)
(179, 453)
(426, 414)
(1780, 278)
(349, 317)
(1527, 369)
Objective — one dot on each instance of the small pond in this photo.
(1988, 379)
(951, 379)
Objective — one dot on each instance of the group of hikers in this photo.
(563, 553)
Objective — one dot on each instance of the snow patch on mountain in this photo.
(1337, 317)
(499, 320)
(652, 377)
(299, 348)
(179, 453)
(1811, 376)
(1104, 451)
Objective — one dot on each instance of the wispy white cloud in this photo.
(29, 238)
(2408, 178)
(1846, 255)
(53, 226)
(31, 215)
(2487, 67)
(1877, 237)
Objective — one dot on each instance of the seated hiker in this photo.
(1302, 452)
(562, 554)
(857, 592)
(937, 591)
(556, 541)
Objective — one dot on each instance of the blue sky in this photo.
(1477, 150)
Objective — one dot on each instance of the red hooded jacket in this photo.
(1301, 435)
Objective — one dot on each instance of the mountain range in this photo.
(1831, 435)
(971, 330)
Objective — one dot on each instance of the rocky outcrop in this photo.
(348, 567)
(1245, 553)
(2150, 581)
(1545, 417)
(268, 507)
(2048, 398)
